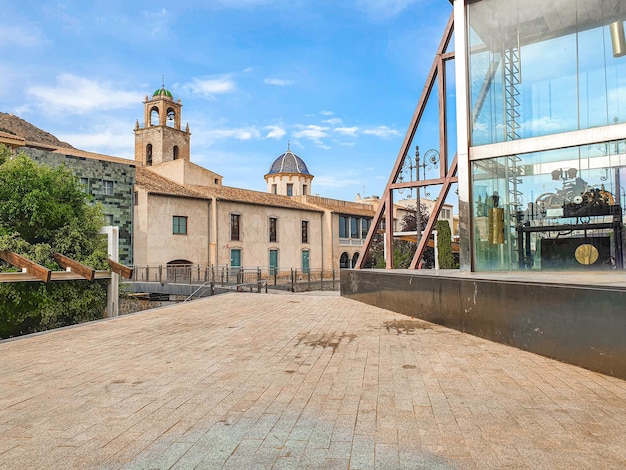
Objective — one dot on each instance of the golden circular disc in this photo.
(586, 254)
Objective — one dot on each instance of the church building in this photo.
(184, 214)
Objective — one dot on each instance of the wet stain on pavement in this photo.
(330, 340)
(406, 327)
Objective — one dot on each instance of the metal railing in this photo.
(229, 278)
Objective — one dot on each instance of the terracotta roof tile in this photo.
(340, 207)
(228, 193)
(156, 184)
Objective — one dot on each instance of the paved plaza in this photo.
(296, 381)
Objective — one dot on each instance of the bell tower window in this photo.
(175, 152)
(154, 116)
(171, 118)
(149, 154)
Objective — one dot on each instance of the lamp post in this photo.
(418, 202)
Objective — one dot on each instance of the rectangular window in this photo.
(235, 222)
(354, 227)
(273, 226)
(289, 189)
(305, 231)
(135, 198)
(344, 226)
(365, 227)
(305, 189)
(107, 187)
(274, 189)
(179, 225)
(108, 219)
(85, 184)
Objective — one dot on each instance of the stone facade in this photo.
(160, 138)
(102, 175)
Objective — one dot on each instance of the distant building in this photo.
(185, 215)
(109, 180)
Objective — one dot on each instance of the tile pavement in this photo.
(253, 381)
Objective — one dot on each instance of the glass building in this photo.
(541, 127)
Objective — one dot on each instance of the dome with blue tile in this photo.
(288, 162)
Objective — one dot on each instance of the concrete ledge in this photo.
(575, 323)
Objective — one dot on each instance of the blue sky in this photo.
(339, 80)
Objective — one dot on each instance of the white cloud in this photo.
(275, 132)
(80, 95)
(240, 133)
(243, 3)
(158, 21)
(311, 132)
(383, 132)
(278, 82)
(20, 36)
(111, 139)
(349, 131)
(211, 86)
(384, 8)
(328, 181)
(327, 113)
(333, 121)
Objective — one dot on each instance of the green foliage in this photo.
(44, 210)
(444, 244)
(5, 153)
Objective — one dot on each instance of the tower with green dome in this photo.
(160, 138)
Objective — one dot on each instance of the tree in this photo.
(5, 153)
(44, 210)
(444, 244)
(405, 250)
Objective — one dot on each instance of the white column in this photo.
(113, 295)
(462, 129)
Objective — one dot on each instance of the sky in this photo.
(338, 81)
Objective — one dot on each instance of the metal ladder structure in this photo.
(512, 81)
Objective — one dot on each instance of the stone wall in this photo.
(118, 206)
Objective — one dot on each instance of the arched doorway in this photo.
(355, 258)
(344, 261)
(179, 270)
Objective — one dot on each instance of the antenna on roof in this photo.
(288, 146)
(163, 81)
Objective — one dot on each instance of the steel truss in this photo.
(447, 175)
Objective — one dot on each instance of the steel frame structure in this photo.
(447, 174)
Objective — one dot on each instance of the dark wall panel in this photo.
(575, 324)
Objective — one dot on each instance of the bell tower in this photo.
(159, 138)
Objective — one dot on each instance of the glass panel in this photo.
(365, 226)
(540, 71)
(343, 227)
(534, 211)
(273, 227)
(234, 226)
(305, 231)
(354, 227)
(305, 262)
